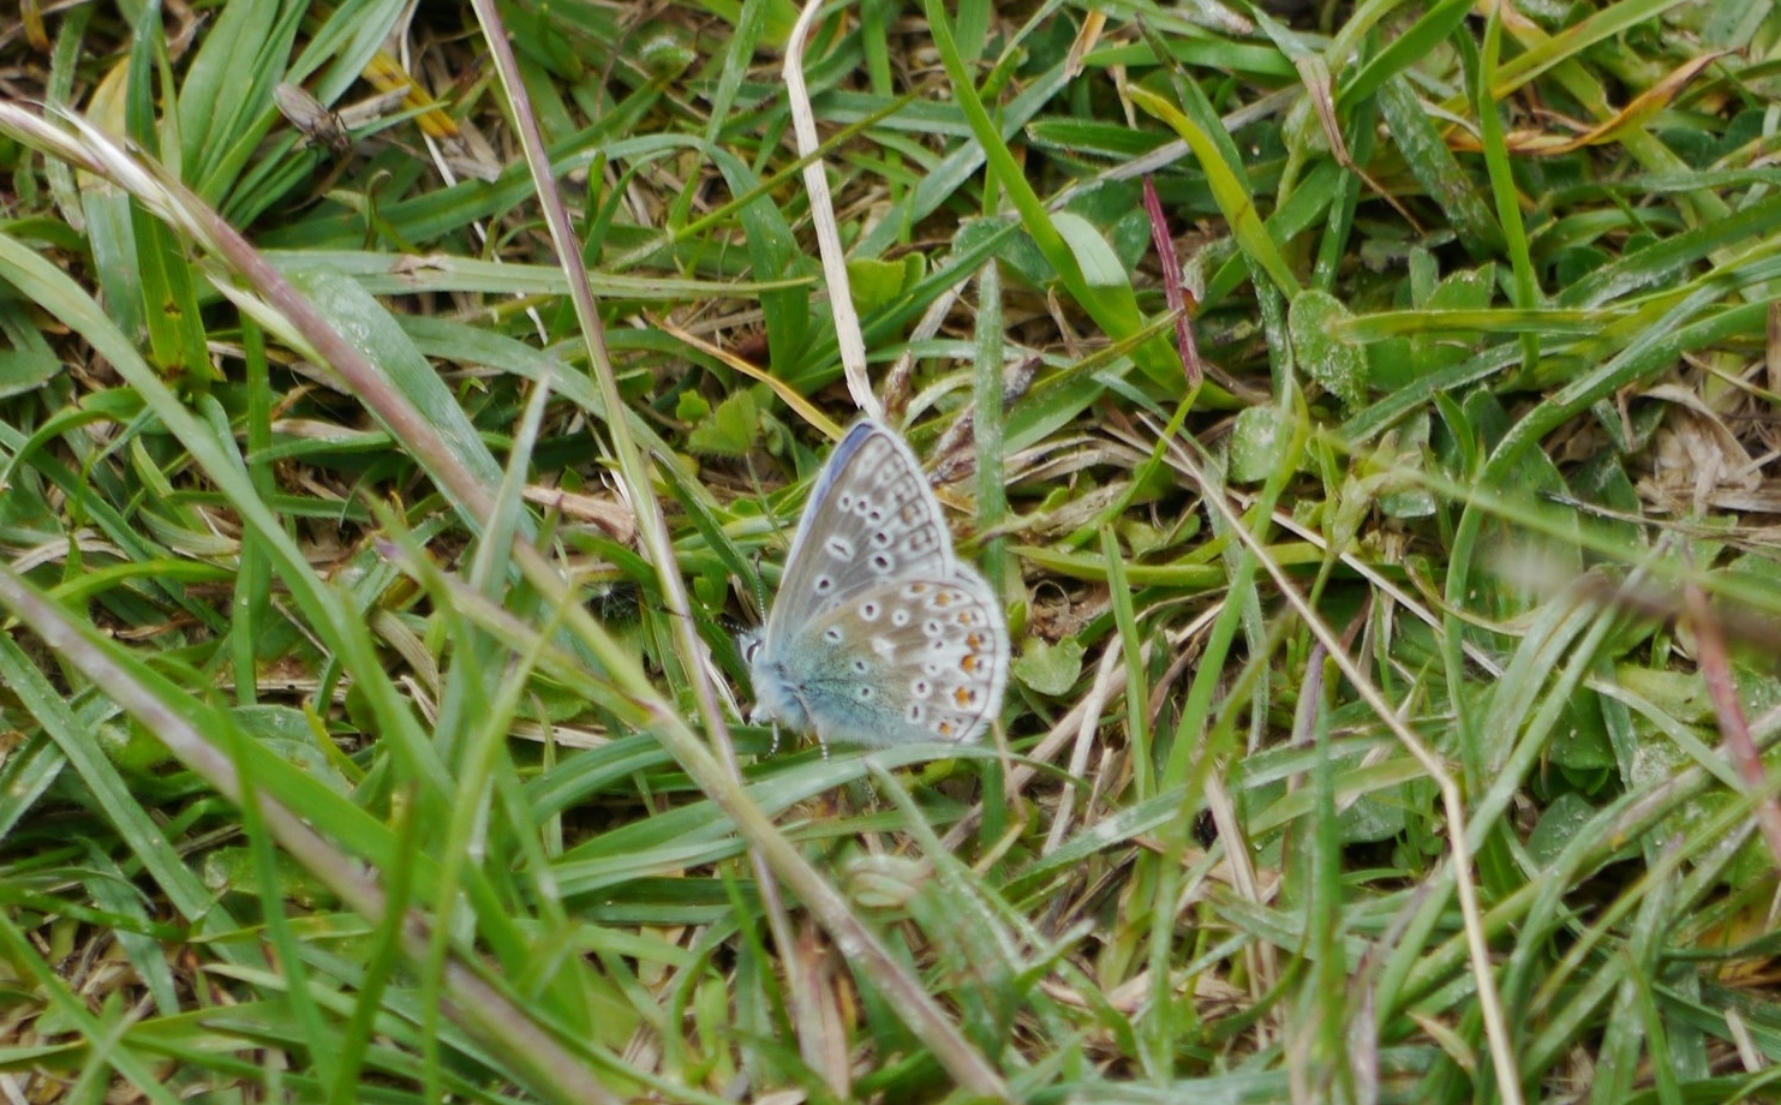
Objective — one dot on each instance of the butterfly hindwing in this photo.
(910, 660)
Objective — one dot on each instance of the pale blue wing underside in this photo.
(878, 635)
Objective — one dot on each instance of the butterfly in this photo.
(878, 636)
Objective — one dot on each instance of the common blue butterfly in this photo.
(879, 636)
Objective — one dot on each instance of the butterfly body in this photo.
(879, 636)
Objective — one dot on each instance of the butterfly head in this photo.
(775, 699)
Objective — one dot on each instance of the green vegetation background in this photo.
(1396, 639)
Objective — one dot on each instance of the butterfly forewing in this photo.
(870, 518)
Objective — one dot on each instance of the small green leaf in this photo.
(1256, 441)
(730, 431)
(26, 359)
(1315, 320)
(1050, 669)
(877, 284)
(692, 407)
(23, 370)
(234, 869)
(1561, 822)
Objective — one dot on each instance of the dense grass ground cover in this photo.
(1366, 413)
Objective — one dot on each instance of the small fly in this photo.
(318, 124)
